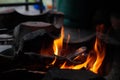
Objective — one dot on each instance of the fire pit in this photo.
(55, 61)
(43, 52)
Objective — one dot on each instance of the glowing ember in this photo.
(58, 43)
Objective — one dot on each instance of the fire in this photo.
(63, 66)
(100, 53)
(58, 43)
(94, 58)
(54, 61)
(92, 63)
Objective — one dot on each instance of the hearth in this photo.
(42, 52)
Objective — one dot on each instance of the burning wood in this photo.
(77, 53)
(58, 43)
(93, 60)
(47, 53)
(79, 59)
(90, 60)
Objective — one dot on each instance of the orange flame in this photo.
(76, 66)
(58, 43)
(63, 66)
(54, 61)
(100, 53)
(92, 63)
(94, 59)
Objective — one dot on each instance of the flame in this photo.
(94, 59)
(76, 66)
(99, 49)
(100, 53)
(54, 61)
(92, 63)
(58, 43)
(64, 66)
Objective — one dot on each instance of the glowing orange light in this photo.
(100, 53)
(54, 61)
(94, 59)
(58, 43)
(93, 62)
(64, 66)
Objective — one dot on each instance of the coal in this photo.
(67, 74)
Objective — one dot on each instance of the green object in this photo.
(77, 12)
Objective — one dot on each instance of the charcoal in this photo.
(67, 74)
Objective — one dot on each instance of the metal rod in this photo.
(26, 6)
(18, 4)
(41, 5)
